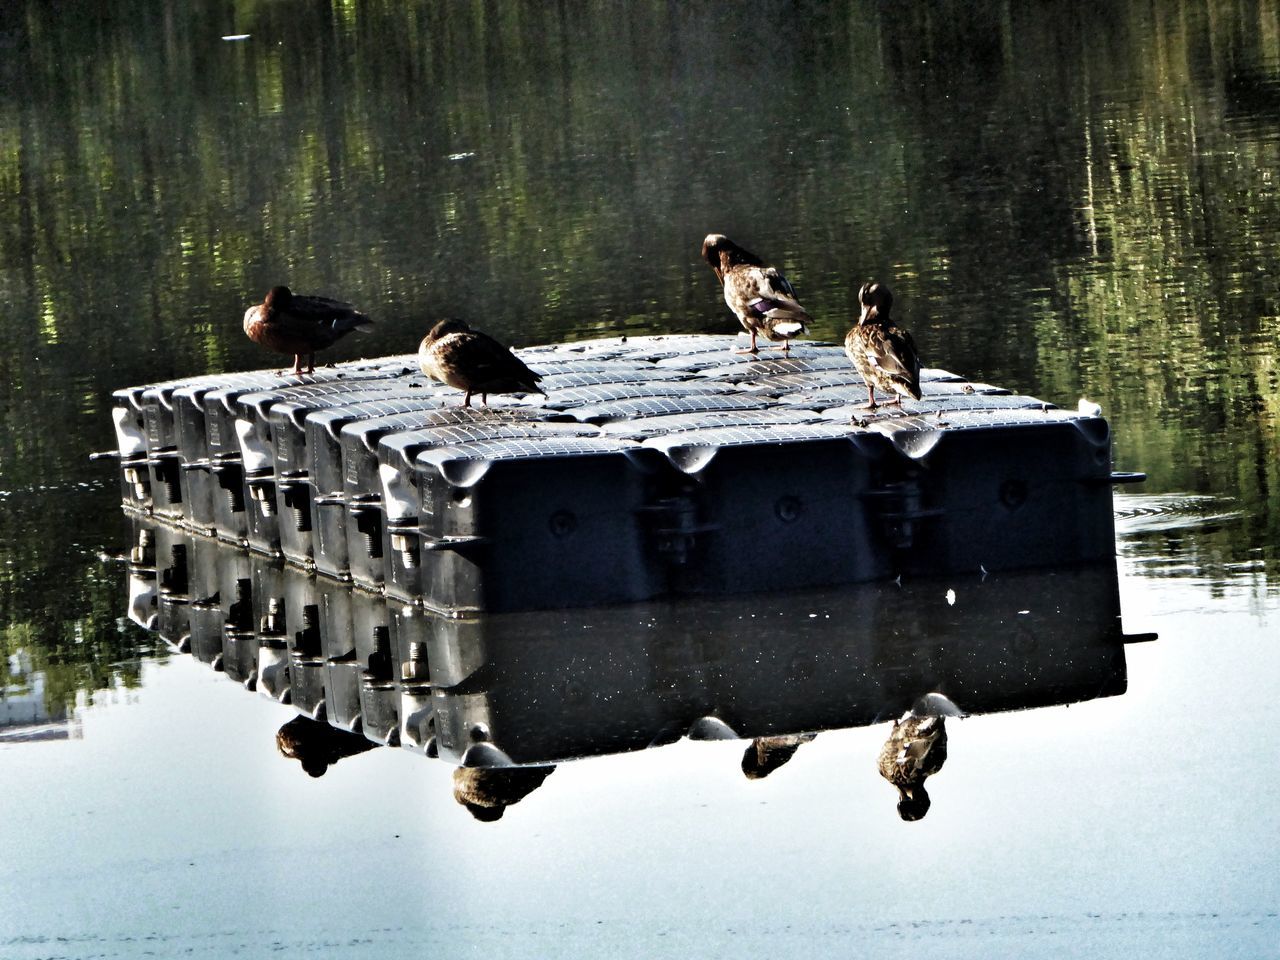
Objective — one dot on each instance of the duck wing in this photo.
(487, 364)
(319, 319)
(889, 352)
(763, 297)
(917, 748)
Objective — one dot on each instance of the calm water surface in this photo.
(1068, 200)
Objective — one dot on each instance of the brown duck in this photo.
(884, 355)
(762, 298)
(916, 749)
(766, 754)
(469, 360)
(289, 323)
(488, 791)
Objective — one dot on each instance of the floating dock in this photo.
(654, 466)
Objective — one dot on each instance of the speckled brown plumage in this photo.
(291, 323)
(761, 298)
(472, 361)
(884, 354)
(766, 754)
(916, 749)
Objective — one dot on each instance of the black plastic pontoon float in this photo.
(654, 466)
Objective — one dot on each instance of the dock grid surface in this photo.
(655, 466)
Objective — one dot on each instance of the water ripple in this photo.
(1161, 512)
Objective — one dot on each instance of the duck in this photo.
(472, 361)
(884, 354)
(763, 299)
(916, 749)
(291, 323)
(766, 754)
(318, 746)
(486, 792)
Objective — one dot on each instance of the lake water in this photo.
(1069, 200)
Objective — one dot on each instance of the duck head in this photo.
(876, 302)
(443, 329)
(722, 253)
(277, 298)
(913, 802)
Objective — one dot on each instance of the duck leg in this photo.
(871, 398)
(754, 349)
(466, 401)
(297, 364)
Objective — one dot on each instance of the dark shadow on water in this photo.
(507, 697)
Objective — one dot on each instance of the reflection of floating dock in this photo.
(533, 688)
(656, 465)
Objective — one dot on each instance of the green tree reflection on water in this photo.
(1068, 199)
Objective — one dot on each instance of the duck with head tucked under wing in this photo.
(469, 360)
(762, 298)
(884, 355)
(290, 323)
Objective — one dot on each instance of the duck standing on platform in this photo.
(762, 298)
(469, 360)
(884, 355)
(289, 323)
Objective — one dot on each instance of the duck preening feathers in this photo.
(290, 323)
(762, 298)
(916, 749)
(884, 355)
(469, 360)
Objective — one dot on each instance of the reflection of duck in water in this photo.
(884, 354)
(766, 754)
(488, 791)
(917, 749)
(472, 361)
(316, 745)
(762, 298)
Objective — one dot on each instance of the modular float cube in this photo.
(298, 424)
(399, 478)
(998, 490)
(653, 466)
(326, 518)
(522, 523)
(351, 517)
(770, 507)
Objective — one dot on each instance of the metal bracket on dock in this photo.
(366, 509)
(168, 464)
(261, 493)
(137, 477)
(294, 489)
(404, 540)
